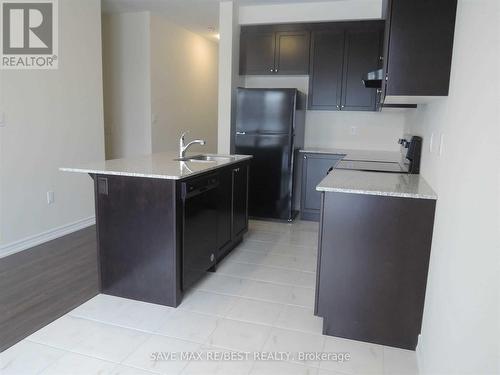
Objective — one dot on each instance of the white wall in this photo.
(311, 11)
(461, 326)
(184, 78)
(54, 118)
(228, 73)
(334, 129)
(127, 91)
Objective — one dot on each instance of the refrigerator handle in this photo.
(240, 133)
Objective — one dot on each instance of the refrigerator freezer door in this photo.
(270, 185)
(265, 111)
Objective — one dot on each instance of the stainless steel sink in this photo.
(207, 158)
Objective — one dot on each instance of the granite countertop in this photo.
(377, 183)
(357, 155)
(159, 165)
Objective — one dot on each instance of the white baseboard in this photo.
(418, 351)
(37, 239)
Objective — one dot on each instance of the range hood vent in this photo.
(373, 79)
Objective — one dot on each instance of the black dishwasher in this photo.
(199, 237)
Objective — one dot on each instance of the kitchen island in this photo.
(162, 223)
(373, 255)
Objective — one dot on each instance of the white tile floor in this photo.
(260, 299)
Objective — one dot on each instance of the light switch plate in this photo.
(102, 185)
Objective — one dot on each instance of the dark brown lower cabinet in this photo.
(232, 219)
(146, 225)
(315, 167)
(372, 267)
(240, 200)
(139, 238)
(224, 210)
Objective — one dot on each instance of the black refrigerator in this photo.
(270, 126)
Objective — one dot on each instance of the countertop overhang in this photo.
(158, 165)
(377, 183)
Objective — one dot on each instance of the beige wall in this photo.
(53, 119)
(461, 326)
(352, 130)
(127, 84)
(159, 81)
(184, 68)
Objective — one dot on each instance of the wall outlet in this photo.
(441, 145)
(431, 143)
(354, 130)
(50, 197)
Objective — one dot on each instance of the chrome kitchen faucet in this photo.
(183, 148)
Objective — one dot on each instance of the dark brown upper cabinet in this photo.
(418, 49)
(257, 51)
(265, 50)
(292, 52)
(325, 82)
(341, 54)
(361, 55)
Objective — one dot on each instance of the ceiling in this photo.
(200, 16)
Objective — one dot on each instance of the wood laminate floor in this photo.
(40, 284)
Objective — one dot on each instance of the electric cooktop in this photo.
(371, 166)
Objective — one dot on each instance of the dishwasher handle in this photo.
(199, 186)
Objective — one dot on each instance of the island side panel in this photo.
(374, 258)
(138, 238)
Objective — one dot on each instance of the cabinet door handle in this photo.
(236, 170)
(272, 70)
(343, 106)
(276, 70)
(338, 107)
